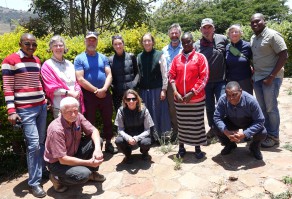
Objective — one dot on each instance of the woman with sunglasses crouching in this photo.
(134, 122)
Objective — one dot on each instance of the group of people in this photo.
(175, 85)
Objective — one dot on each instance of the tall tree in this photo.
(74, 17)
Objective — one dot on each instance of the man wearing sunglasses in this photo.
(93, 73)
(237, 116)
(26, 104)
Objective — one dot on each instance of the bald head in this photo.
(27, 36)
(258, 15)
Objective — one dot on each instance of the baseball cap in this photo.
(91, 34)
(207, 21)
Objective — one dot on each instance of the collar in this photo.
(179, 46)
(262, 33)
(21, 54)
(58, 61)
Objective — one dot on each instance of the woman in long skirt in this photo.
(188, 76)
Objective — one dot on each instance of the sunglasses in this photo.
(27, 44)
(134, 99)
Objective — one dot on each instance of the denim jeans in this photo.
(34, 130)
(71, 175)
(213, 90)
(267, 98)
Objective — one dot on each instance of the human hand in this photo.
(231, 135)
(101, 93)
(178, 97)
(162, 94)
(13, 118)
(239, 135)
(188, 97)
(97, 155)
(132, 141)
(269, 80)
(75, 94)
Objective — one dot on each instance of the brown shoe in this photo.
(57, 185)
(94, 176)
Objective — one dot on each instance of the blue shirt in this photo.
(238, 67)
(93, 67)
(247, 114)
(170, 52)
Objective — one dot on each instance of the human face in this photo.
(147, 43)
(187, 44)
(233, 95)
(28, 45)
(118, 46)
(174, 36)
(70, 113)
(234, 34)
(91, 44)
(207, 31)
(131, 101)
(58, 49)
(257, 24)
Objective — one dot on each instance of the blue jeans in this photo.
(213, 90)
(267, 98)
(34, 130)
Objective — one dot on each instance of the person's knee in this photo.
(80, 175)
(146, 142)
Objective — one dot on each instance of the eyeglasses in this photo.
(58, 45)
(134, 99)
(27, 44)
(117, 37)
(92, 33)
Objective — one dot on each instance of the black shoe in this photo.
(145, 156)
(37, 191)
(181, 153)
(255, 150)
(228, 148)
(109, 148)
(199, 155)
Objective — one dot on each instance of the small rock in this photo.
(233, 178)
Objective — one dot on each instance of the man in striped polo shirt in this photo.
(25, 101)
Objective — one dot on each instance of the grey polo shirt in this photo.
(265, 48)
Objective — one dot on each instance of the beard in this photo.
(176, 40)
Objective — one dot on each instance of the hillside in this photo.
(8, 17)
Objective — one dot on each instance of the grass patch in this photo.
(288, 146)
(290, 91)
(285, 195)
(287, 180)
(165, 145)
(178, 161)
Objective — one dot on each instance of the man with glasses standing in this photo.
(237, 116)
(93, 73)
(26, 104)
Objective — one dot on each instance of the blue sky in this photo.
(24, 4)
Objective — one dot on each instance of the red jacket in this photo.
(190, 73)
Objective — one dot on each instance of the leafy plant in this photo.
(178, 161)
(287, 180)
(290, 91)
(288, 146)
(284, 195)
(165, 144)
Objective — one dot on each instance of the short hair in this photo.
(174, 25)
(26, 35)
(149, 34)
(68, 101)
(133, 92)
(235, 26)
(188, 34)
(117, 37)
(260, 15)
(58, 38)
(233, 84)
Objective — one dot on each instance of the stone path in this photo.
(238, 175)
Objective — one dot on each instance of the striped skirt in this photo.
(191, 127)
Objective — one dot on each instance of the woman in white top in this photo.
(58, 76)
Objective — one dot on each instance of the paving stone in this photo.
(165, 172)
(191, 181)
(112, 180)
(275, 187)
(161, 196)
(187, 195)
(249, 180)
(138, 189)
(162, 185)
(107, 195)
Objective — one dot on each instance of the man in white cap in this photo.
(93, 73)
(213, 46)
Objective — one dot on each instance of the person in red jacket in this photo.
(188, 77)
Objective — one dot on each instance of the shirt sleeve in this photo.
(257, 118)
(78, 64)
(203, 75)
(163, 69)
(220, 113)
